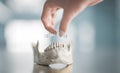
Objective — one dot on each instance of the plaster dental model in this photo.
(55, 53)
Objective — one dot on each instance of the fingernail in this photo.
(61, 33)
(100, 1)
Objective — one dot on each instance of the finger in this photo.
(95, 2)
(68, 15)
(46, 19)
(51, 30)
(64, 23)
(53, 15)
(54, 11)
(53, 22)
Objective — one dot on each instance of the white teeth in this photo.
(62, 45)
(55, 46)
(68, 45)
(48, 48)
(51, 46)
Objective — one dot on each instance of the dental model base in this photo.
(55, 53)
(45, 69)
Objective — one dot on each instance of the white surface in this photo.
(20, 34)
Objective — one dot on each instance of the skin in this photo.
(71, 9)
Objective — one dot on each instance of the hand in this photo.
(71, 9)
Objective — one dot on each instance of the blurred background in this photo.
(95, 34)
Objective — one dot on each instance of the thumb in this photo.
(68, 15)
(64, 23)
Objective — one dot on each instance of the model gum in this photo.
(55, 53)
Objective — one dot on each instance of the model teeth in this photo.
(55, 45)
(62, 45)
(51, 46)
(55, 53)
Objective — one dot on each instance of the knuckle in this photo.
(44, 22)
(43, 19)
(46, 26)
(47, 4)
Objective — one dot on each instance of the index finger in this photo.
(47, 19)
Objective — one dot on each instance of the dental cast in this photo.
(55, 53)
